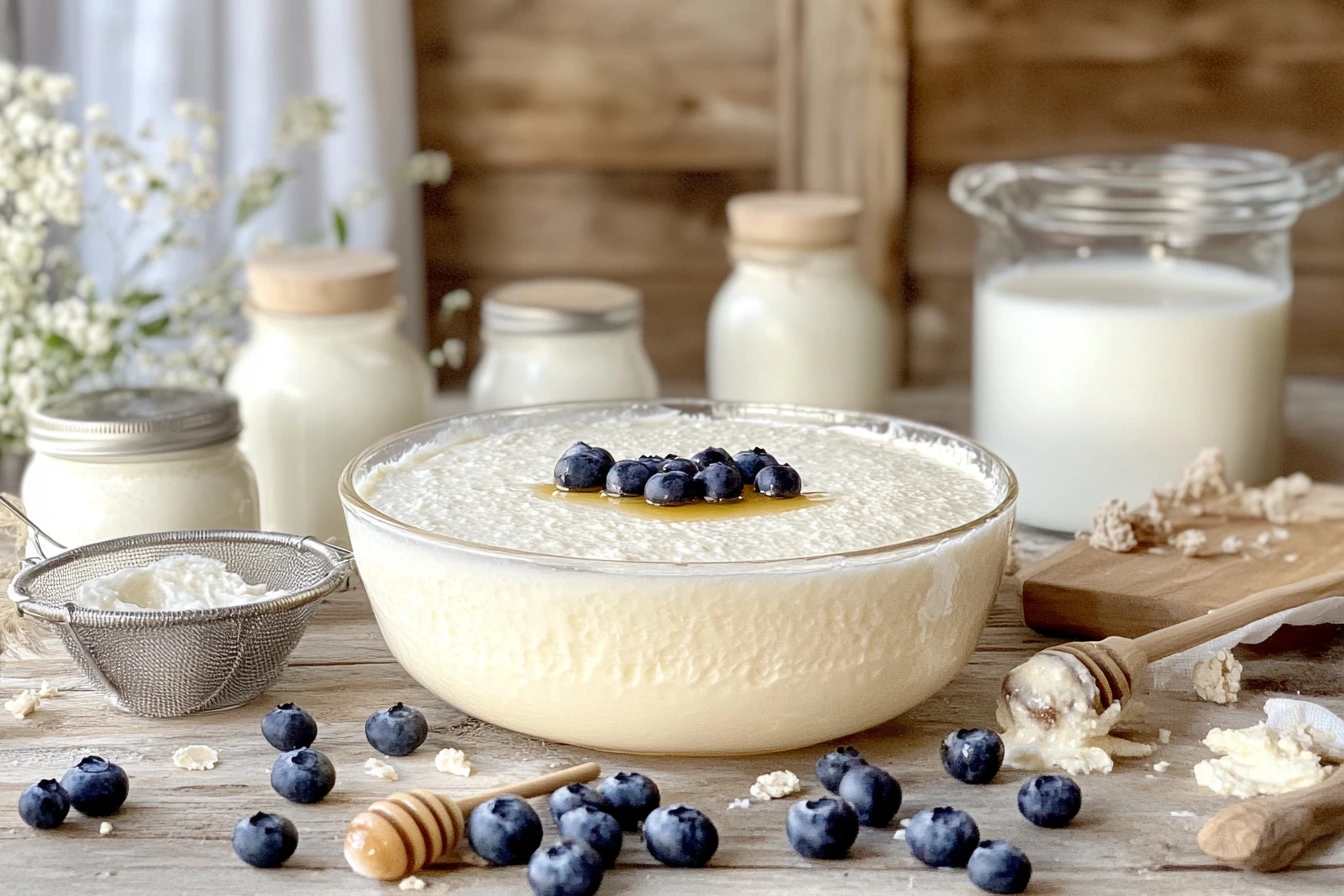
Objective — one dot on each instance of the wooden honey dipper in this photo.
(1116, 667)
(397, 836)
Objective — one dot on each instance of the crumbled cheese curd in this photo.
(47, 690)
(176, 582)
(1190, 542)
(1218, 678)
(412, 883)
(104, 829)
(776, 785)
(23, 704)
(452, 762)
(1260, 760)
(1232, 544)
(195, 757)
(377, 768)
(1161, 767)
(740, 803)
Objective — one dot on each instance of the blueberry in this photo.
(598, 829)
(832, 767)
(265, 840)
(581, 472)
(626, 478)
(779, 481)
(712, 456)
(288, 728)
(674, 464)
(943, 837)
(681, 837)
(874, 794)
(1049, 801)
(652, 462)
(973, 755)
(670, 489)
(44, 804)
(397, 731)
(750, 462)
(720, 482)
(504, 830)
(998, 866)
(303, 776)
(822, 829)
(568, 868)
(572, 796)
(96, 787)
(631, 797)
(601, 454)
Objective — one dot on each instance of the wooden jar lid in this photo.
(794, 220)
(322, 281)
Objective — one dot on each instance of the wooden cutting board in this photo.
(1087, 591)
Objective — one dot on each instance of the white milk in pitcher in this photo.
(1101, 378)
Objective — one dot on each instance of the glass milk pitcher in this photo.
(1129, 310)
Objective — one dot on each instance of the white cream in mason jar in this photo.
(128, 461)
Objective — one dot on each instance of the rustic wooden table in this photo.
(1136, 832)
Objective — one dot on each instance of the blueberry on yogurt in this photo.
(751, 462)
(582, 472)
(709, 456)
(720, 482)
(584, 448)
(626, 479)
(674, 464)
(779, 481)
(670, 489)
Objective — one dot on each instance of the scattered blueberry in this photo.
(779, 481)
(720, 482)
(572, 796)
(751, 462)
(670, 489)
(601, 454)
(943, 837)
(998, 866)
(287, 727)
(712, 456)
(626, 479)
(631, 797)
(568, 868)
(265, 840)
(832, 767)
(874, 794)
(303, 775)
(397, 731)
(581, 472)
(504, 830)
(44, 805)
(822, 829)
(681, 837)
(1049, 801)
(674, 464)
(598, 829)
(973, 755)
(96, 787)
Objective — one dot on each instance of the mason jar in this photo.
(128, 461)
(1129, 311)
(561, 339)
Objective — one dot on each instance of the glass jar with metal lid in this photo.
(561, 339)
(127, 461)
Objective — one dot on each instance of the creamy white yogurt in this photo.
(878, 490)
(176, 582)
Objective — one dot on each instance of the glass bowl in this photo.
(679, 658)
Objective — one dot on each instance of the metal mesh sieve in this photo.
(171, 663)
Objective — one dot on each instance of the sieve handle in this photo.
(37, 530)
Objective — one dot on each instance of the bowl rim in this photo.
(355, 504)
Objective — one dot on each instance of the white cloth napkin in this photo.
(1173, 673)
(1282, 713)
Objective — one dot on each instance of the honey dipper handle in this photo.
(1184, 635)
(1267, 833)
(537, 786)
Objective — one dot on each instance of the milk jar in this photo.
(1130, 310)
(324, 374)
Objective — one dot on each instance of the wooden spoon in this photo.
(1114, 668)
(1267, 833)
(396, 837)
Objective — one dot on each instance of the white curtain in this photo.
(245, 58)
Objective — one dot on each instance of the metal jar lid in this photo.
(128, 422)
(561, 305)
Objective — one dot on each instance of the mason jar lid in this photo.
(561, 305)
(794, 221)
(126, 422)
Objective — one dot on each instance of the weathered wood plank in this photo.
(597, 83)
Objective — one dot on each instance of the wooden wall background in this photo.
(602, 137)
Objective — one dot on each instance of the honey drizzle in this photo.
(752, 503)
